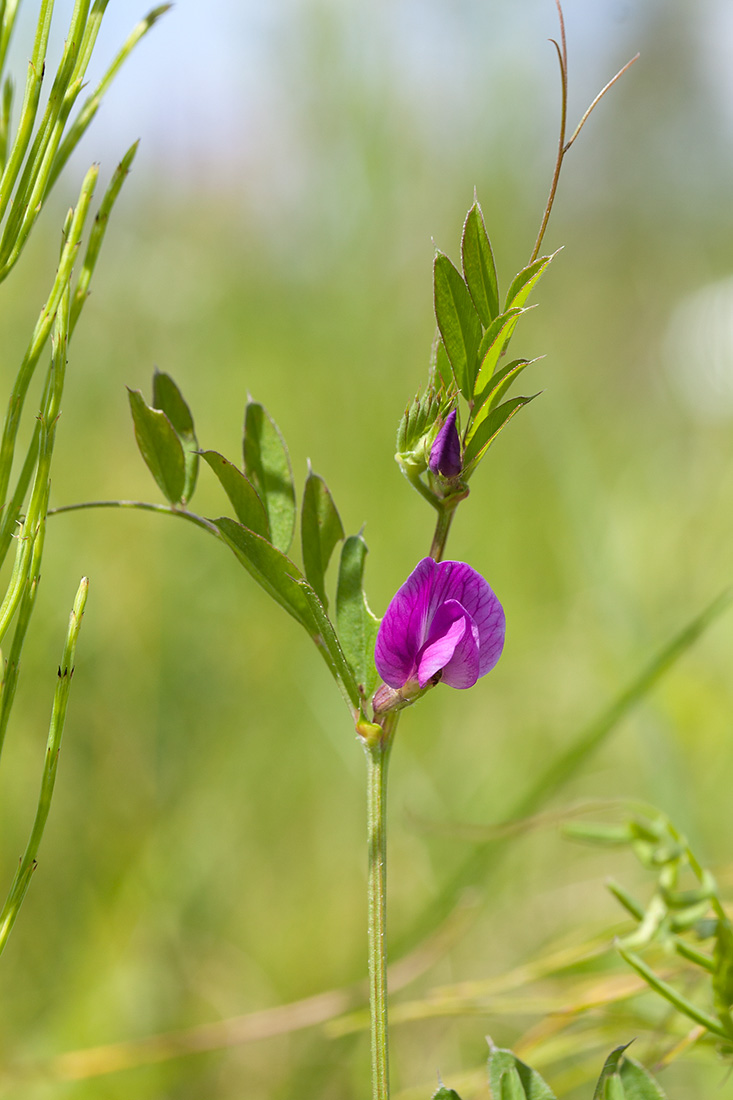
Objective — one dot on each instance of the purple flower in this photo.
(444, 619)
(445, 453)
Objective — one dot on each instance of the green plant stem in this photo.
(442, 528)
(143, 505)
(378, 753)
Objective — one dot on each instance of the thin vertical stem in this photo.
(440, 537)
(377, 762)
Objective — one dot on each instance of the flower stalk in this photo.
(378, 753)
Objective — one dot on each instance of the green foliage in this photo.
(160, 447)
(243, 497)
(321, 529)
(357, 625)
(686, 901)
(267, 465)
(478, 266)
(512, 1079)
(459, 324)
(445, 1094)
(168, 398)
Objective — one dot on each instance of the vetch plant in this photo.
(444, 624)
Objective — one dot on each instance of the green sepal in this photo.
(493, 343)
(419, 426)
(445, 1094)
(478, 266)
(267, 465)
(160, 447)
(283, 581)
(524, 283)
(356, 624)
(501, 1063)
(488, 430)
(458, 322)
(168, 398)
(248, 508)
(320, 529)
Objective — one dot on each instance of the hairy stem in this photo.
(377, 762)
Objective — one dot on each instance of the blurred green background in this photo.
(205, 853)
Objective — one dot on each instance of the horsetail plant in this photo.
(31, 159)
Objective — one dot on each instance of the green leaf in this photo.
(324, 636)
(357, 626)
(247, 506)
(501, 1062)
(488, 430)
(494, 341)
(493, 393)
(441, 372)
(160, 447)
(458, 322)
(524, 283)
(320, 530)
(639, 1083)
(445, 1094)
(168, 398)
(267, 465)
(283, 581)
(613, 1088)
(478, 266)
(272, 570)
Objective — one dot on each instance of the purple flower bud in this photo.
(444, 619)
(445, 453)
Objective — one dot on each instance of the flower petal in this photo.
(445, 454)
(454, 580)
(451, 647)
(403, 628)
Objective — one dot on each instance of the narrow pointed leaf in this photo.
(267, 465)
(494, 392)
(524, 283)
(478, 266)
(445, 1094)
(272, 570)
(458, 322)
(160, 447)
(356, 624)
(443, 373)
(247, 506)
(610, 1068)
(638, 1082)
(324, 636)
(320, 529)
(282, 580)
(494, 342)
(501, 1062)
(488, 430)
(613, 1088)
(168, 398)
